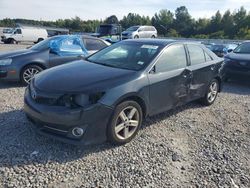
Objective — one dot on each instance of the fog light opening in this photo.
(77, 132)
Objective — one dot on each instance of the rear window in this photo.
(196, 54)
(94, 44)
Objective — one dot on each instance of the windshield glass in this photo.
(41, 45)
(217, 48)
(126, 55)
(244, 48)
(134, 28)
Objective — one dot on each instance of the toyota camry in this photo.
(106, 96)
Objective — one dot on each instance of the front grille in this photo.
(47, 101)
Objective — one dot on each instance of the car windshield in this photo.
(244, 48)
(41, 45)
(134, 28)
(217, 47)
(126, 55)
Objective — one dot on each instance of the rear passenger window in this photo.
(94, 44)
(174, 57)
(196, 54)
(208, 57)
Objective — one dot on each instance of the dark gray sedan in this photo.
(107, 96)
(22, 65)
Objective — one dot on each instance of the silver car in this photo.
(136, 32)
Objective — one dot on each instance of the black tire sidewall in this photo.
(25, 68)
(111, 127)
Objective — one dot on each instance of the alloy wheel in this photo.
(29, 73)
(213, 91)
(127, 122)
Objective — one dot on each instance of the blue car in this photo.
(22, 65)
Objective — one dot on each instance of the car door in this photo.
(93, 45)
(65, 51)
(18, 35)
(202, 66)
(169, 79)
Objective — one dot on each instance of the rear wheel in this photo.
(153, 37)
(39, 40)
(125, 122)
(12, 41)
(211, 93)
(28, 73)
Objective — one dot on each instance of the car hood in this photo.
(239, 57)
(14, 53)
(81, 76)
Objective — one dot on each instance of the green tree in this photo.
(183, 23)
(111, 20)
(163, 21)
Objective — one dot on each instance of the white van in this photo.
(26, 34)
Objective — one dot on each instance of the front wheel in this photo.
(28, 73)
(125, 123)
(211, 93)
(136, 37)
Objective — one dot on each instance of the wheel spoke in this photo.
(132, 113)
(126, 132)
(123, 116)
(133, 123)
(119, 127)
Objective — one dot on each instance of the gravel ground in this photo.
(191, 146)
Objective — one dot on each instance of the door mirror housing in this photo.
(229, 50)
(153, 70)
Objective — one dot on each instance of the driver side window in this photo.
(174, 57)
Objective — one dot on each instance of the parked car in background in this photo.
(237, 63)
(25, 34)
(107, 96)
(22, 65)
(136, 32)
(222, 49)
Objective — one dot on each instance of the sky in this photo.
(51, 10)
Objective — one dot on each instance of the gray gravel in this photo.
(191, 146)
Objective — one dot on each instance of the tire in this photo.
(136, 37)
(12, 41)
(211, 93)
(28, 73)
(153, 37)
(39, 40)
(122, 128)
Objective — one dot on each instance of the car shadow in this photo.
(20, 145)
(7, 85)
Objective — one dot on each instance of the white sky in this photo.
(100, 9)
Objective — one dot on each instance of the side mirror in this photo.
(139, 30)
(229, 50)
(153, 70)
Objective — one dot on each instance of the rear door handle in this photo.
(188, 74)
(212, 67)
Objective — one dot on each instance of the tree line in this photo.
(230, 25)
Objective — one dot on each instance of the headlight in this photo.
(5, 61)
(73, 101)
(84, 100)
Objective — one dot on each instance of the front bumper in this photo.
(58, 122)
(9, 73)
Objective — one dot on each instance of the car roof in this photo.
(161, 42)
